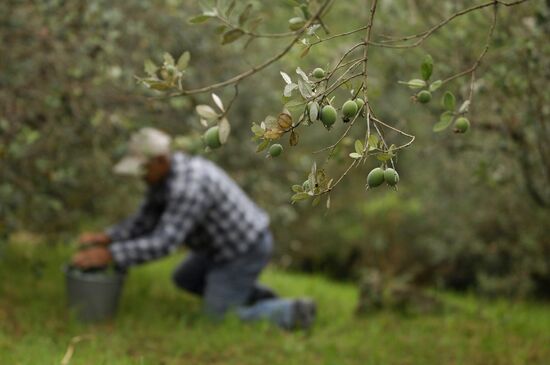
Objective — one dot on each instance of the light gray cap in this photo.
(144, 144)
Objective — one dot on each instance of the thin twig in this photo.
(235, 95)
(254, 34)
(70, 349)
(421, 37)
(333, 146)
(336, 85)
(476, 64)
(344, 34)
(412, 138)
(259, 67)
(341, 60)
(337, 181)
(368, 107)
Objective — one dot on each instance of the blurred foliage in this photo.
(472, 211)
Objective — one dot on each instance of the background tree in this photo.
(471, 210)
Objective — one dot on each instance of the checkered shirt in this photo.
(199, 205)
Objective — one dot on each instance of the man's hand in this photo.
(92, 257)
(94, 238)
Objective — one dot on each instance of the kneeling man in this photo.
(191, 200)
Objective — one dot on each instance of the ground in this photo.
(157, 324)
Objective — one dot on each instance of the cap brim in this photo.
(130, 165)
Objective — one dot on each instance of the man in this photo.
(191, 200)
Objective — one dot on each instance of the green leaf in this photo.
(464, 107)
(448, 101)
(158, 85)
(231, 36)
(220, 29)
(293, 140)
(254, 23)
(285, 77)
(301, 72)
(230, 7)
(270, 122)
(262, 146)
(150, 68)
(294, 105)
(305, 51)
(316, 201)
(299, 196)
(313, 177)
(359, 147)
(206, 112)
(287, 92)
(245, 15)
(373, 142)
(435, 85)
(305, 89)
(414, 83)
(444, 121)
(218, 102)
(427, 67)
(384, 157)
(297, 188)
(198, 19)
(183, 61)
(355, 156)
(225, 129)
(313, 111)
(305, 11)
(257, 130)
(168, 59)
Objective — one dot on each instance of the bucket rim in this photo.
(115, 277)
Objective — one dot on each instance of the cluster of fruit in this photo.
(329, 114)
(350, 109)
(378, 176)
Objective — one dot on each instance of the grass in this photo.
(157, 324)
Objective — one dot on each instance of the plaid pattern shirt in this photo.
(197, 204)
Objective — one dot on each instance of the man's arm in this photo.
(138, 224)
(186, 207)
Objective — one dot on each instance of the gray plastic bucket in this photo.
(93, 295)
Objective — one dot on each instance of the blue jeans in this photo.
(228, 285)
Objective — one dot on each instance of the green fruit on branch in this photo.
(462, 125)
(212, 137)
(296, 23)
(319, 73)
(375, 178)
(349, 109)
(360, 103)
(328, 115)
(275, 150)
(391, 177)
(424, 96)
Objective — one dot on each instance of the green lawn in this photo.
(159, 325)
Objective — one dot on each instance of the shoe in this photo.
(304, 313)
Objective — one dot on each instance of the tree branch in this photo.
(259, 67)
